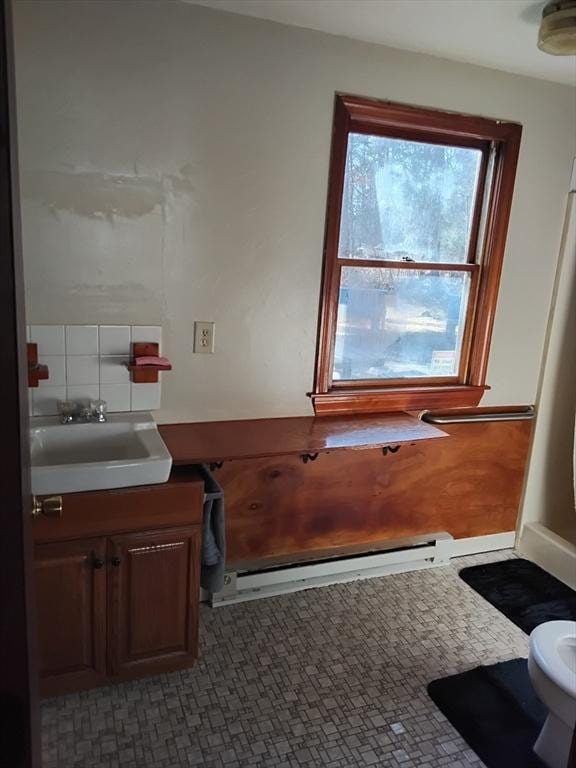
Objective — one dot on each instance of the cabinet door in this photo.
(154, 596)
(71, 610)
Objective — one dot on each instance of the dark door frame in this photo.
(19, 711)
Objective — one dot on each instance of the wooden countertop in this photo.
(215, 441)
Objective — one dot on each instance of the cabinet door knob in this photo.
(115, 562)
(51, 506)
(98, 563)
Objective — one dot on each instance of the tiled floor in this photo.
(332, 677)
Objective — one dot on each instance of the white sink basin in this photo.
(126, 450)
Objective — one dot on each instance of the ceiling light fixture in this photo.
(557, 34)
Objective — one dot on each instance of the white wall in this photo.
(174, 165)
(549, 492)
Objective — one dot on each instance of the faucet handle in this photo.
(67, 409)
(99, 408)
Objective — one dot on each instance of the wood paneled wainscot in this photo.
(281, 509)
(117, 584)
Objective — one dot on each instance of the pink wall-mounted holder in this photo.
(36, 371)
(147, 363)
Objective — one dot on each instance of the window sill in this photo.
(396, 399)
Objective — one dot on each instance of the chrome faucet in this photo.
(73, 413)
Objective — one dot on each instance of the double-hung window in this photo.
(418, 208)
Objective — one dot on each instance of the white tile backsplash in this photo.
(152, 333)
(117, 396)
(82, 369)
(83, 393)
(81, 340)
(56, 369)
(115, 340)
(88, 362)
(49, 338)
(113, 370)
(45, 400)
(145, 397)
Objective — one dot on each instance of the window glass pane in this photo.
(407, 200)
(399, 323)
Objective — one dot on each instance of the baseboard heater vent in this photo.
(428, 551)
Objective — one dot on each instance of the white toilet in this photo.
(552, 668)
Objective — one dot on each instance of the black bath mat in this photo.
(496, 712)
(522, 591)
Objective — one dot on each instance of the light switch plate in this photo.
(204, 337)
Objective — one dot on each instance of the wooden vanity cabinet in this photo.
(117, 599)
(153, 592)
(71, 613)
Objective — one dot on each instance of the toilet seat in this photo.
(553, 648)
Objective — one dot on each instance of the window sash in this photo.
(482, 187)
(383, 383)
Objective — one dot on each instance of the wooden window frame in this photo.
(499, 142)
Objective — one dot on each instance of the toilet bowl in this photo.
(552, 668)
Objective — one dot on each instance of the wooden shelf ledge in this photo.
(215, 441)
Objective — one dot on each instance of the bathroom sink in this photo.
(124, 451)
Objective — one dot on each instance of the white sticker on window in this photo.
(443, 363)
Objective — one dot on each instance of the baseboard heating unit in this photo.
(408, 555)
(344, 564)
